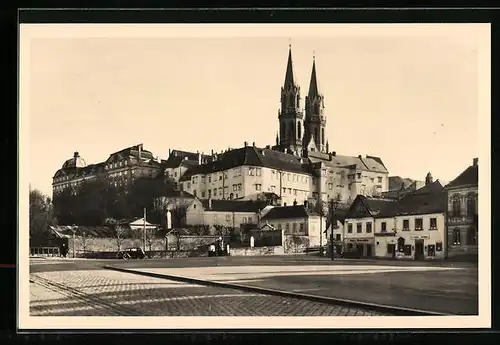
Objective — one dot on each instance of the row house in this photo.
(121, 168)
(411, 227)
(296, 222)
(243, 172)
(462, 213)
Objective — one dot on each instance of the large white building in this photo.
(299, 167)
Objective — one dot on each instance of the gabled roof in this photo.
(252, 206)
(287, 212)
(468, 177)
(369, 163)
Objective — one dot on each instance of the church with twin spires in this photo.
(301, 131)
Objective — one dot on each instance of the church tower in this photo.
(315, 121)
(290, 115)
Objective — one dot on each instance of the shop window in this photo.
(349, 246)
(439, 246)
(401, 244)
(431, 250)
(407, 250)
(456, 236)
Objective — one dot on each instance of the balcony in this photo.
(461, 219)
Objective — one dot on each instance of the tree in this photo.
(84, 240)
(177, 204)
(120, 236)
(41, 214)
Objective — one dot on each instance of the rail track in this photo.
(113, 309)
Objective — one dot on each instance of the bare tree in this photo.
(84, 241)
(120, 232)
(150, 232)
(176, 205)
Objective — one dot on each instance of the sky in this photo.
(407, 94)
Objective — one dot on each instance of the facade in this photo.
(462, 213)
(411, 227)
(229, 213)
(121, 168)
(296, 221)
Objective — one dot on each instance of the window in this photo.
(194, 193)
(337, 238)
(203, 179)
(279, 226)
(189, 185)
(330, 186)
(288, 176)
(251, 171)
(258, 187)
(220, 191)
(203, 194)
(287, 227)
(433, 224)
(383, 227)
(231, 196)
(209, 178)
(456, 206)
(294, 227)
(209, 193)
(258, 171)
(471, 236)
(471, 205)
(439, 246)
(239, 186)
(431, 250)
(358, 228)
(379, 179)
(401, 244)
(456, 236)
(359, 175)
(390, 248)
(215, 191)
(406, 224)
(228, 217)
(220, 177)
(301, 227)
(407, 250)
(284, 190)
(349, 228)
(368, 228)
(418, 224)
(235, 187)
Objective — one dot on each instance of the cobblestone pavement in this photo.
(105, 292)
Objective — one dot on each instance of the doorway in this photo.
(359, 248)
(368, 250)
(419, 249)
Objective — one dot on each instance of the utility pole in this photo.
(332, 247)
(144, 232)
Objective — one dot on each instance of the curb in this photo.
(396, 311)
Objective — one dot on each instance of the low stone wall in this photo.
(92, 244)
(257, 251)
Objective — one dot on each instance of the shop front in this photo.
(362, 247)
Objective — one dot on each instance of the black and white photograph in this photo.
(240, 173)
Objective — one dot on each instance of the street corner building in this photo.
(408, 227)
(462, 214)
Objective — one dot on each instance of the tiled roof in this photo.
(397, 182)
(468, 177)
(370, 163)
(286, 212)
(91, 169)
(234, 205)
(426, 200)
(249, 155)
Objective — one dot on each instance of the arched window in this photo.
(299, 130)
(456, 204)
(401, 244)
(322, 136)
(456, 236)
(471, 236)
(471, 205)
(231, 196)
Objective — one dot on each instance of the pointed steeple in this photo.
(313, 85)
(289, 80)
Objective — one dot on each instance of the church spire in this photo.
(289, 77)
(313, 85)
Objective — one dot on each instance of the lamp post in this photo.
(332, 247)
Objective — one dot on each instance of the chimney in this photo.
(76, 154)
(169, 152)
(139, 147)
(209, 203)
(305, 203)
(199, 158)
(295, 203)
(475, 161)
(246, 143)
(253, 144)
(268, 147)
(334, 153)
(212, 152)
(359, 156)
